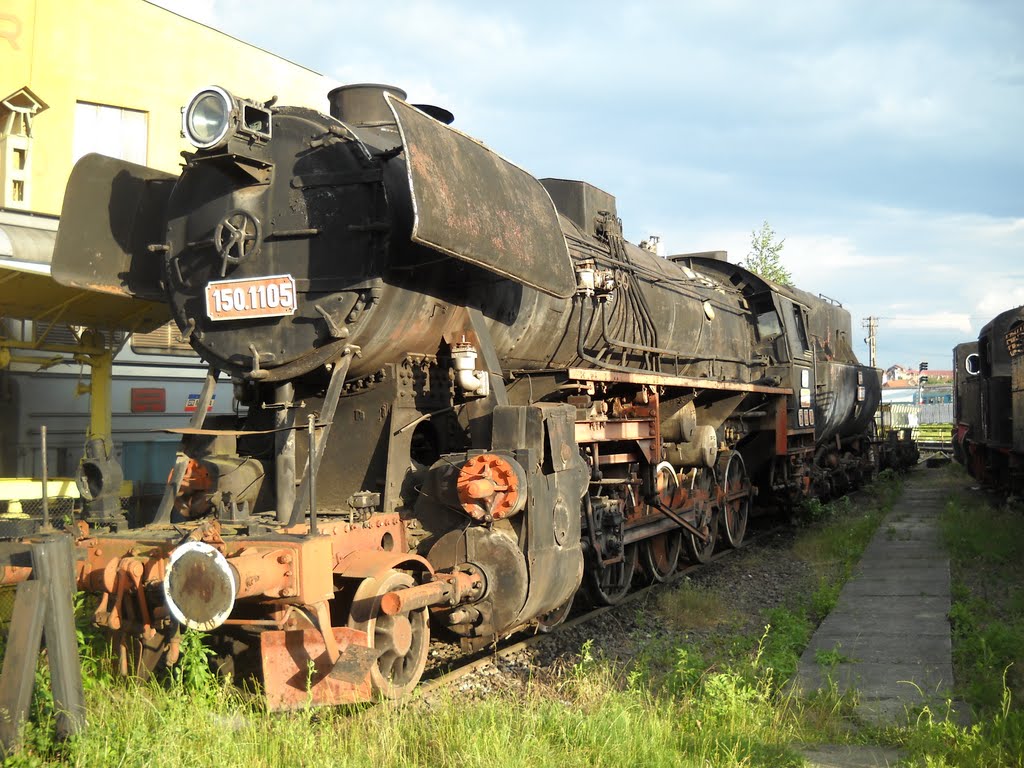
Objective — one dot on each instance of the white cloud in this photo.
(959, 322)
(992, 302)
(880, 139)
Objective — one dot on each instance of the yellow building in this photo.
(107, 76)
(110, 76)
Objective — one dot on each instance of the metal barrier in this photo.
(931, 435)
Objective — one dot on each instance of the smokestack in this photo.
(363, 105)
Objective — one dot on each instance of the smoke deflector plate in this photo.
(474, 205)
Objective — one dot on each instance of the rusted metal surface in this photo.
(615, 429)
(297, 670)
(1015, 348)
(449, 588)
(490, 487)
(663, 380)
(367, 562)
(473, 204)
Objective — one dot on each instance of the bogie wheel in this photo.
(608, 584)
(659, 554)
(735, 510)
(401, 641)
(700, 550)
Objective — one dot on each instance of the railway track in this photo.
(444, 674)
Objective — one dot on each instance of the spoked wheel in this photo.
(700, 550)
(659, 554)
(401, 641)
(608, 584)
(551, 619)
(736, 508)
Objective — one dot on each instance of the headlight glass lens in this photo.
(207, 118)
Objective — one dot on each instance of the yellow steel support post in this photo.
(100, 381)
(99, 474)
(100, 359)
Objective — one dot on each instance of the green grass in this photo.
(838, 532)
(720, 701)
(673, 704)
(831, 657)
(690, 607)
(598, 716)
(986, 545)
(985, 540)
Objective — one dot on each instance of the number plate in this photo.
(272, 296)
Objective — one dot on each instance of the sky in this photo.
(884, 141)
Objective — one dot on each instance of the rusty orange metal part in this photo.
(447, 588)
(298, 671)
(488, 488)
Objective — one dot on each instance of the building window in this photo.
(111, 131)
(17, 111)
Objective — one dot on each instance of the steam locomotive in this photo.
(988, 403)
(467, 395)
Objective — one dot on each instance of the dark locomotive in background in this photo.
(465, 394)
(988, 397)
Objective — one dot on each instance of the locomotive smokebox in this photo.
(363, 105)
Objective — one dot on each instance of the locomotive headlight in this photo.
(207, 118)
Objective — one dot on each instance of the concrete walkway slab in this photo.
(900, 551)
(912, 584)
(879, 614)
(890, 626)
(909, 684)
(879, 648)
(850, 756)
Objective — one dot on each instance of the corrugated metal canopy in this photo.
(27, 292)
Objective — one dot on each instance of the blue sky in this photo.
(883, 140)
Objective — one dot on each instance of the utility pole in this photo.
(871, 323)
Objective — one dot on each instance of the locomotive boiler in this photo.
(462, 394)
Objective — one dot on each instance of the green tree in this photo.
(764, 258)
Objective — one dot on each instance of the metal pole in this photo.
(46, 504)
(326, 417)
(312, 476)
(53, 564)
(20, 656)
(871, 323)
(284, 451)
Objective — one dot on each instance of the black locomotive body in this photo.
(464, 393)
(988, 391)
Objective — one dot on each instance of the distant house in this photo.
(898, 377)
(896, 373)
